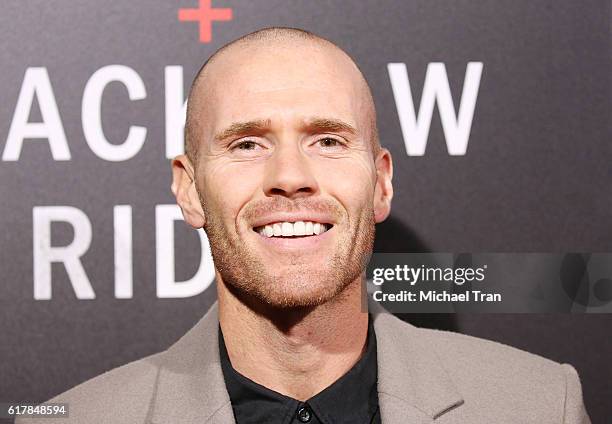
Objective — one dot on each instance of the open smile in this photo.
(294, 236)
(292, 229)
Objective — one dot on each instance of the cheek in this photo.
(349, 181)
(227, 188)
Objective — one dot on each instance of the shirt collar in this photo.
(351, 398)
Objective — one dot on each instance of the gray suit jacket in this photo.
(424, 376)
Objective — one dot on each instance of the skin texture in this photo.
(291, 316)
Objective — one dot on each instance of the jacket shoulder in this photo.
(121, 395)
(469, 351)
(491, 373)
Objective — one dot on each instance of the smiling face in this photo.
(288, 185)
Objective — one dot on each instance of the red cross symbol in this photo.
(205, 15)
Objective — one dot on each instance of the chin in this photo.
(297, 290)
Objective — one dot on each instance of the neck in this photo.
(294, 352)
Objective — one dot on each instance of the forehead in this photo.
(284, 83)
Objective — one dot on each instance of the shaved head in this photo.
(269, 42)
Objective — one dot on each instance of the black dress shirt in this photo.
(353, 398)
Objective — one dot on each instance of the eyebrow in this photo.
(241, 129)
(319, 125)
(261, 126)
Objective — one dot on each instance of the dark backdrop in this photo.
(535, 176)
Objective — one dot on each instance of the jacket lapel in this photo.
(190, 386)
(413, 386)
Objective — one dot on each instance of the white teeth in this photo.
(308, 229)
(299, 228)
(269, 231)
(288, 229)
(277, 230)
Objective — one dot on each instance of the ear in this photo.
(383, 190)
(184, 189)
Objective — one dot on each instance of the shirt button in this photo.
(304, 414)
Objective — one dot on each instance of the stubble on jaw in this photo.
(299, 286)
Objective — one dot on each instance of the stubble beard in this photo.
(299, 284)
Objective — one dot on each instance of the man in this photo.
(284, 171)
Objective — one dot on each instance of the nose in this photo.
(289, 174)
